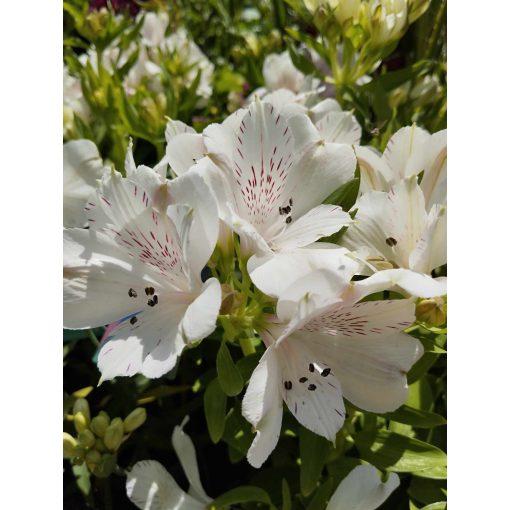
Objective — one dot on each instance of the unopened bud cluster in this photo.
(99, 438)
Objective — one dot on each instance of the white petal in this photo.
(362, 489)
(184, 150)
(273, 273)
(150, 487)
(406, 152)
(262, 406)
(430, 251)
(372, 370)
(322, 108)
(150, 346)
(98, 275)
(312, 394)
(185, 450)
(219, 140)
(305, 133)
(82, 167)
(200, 318)
(433, 183)
(319, 172)
(262, 161)
(321, 221)
(389, 224)
(176, 127)
(339, 127)
(412, 283)
(374, 171)
(191, 189)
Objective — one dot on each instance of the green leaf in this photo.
(286, 496)
(313, 450)
(237, 433)
(215, 407)
(389, 81)
(322, 496)
(394, 452)
(299, 60)
(436, 473)
(345, 195)
(247, 365)
(427, 491)
(243, 494)
(230, 378)
(440, 505)
(416, 417)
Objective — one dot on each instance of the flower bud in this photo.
(80, 422)
(82, 406)
(100, 446)
(386, 21)
(113, 435)
(86, 438)
(99, 424)
(92, 458)
(432, 311)
(346, 11)
(70, 444)
(417, 8)
(135, 419)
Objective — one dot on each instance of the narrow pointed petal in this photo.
(82, 167)
(430, 251)
(433, 183)
(374, 171)
(185, 450)
(296, 264)
(339, 127)
(362, 489)
(401, 280)
(200, 317)
(150, 487)
(192, 190)
(262, 406)
(321, 221)
(406, 152)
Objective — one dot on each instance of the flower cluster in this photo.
(257, 187)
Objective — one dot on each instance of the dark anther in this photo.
(391, 241)
(326, 372)
(288, 220)
(311, 367)
(151, 290)
(133, 320)
(288, 385)
(151, 302)
(147, 290)
(155, 300)
(280, 211)
(290, 202)
(132, 293)
(303, 379)
(312, 387)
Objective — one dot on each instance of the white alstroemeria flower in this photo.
(396, 230)
(362, 489)
(138, 269)
(333, 124)
(270, 179)
(151, 487)
(325, 345)
(82, 167)
(410, 151)
(153, 28)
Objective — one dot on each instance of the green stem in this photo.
(246, 346)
